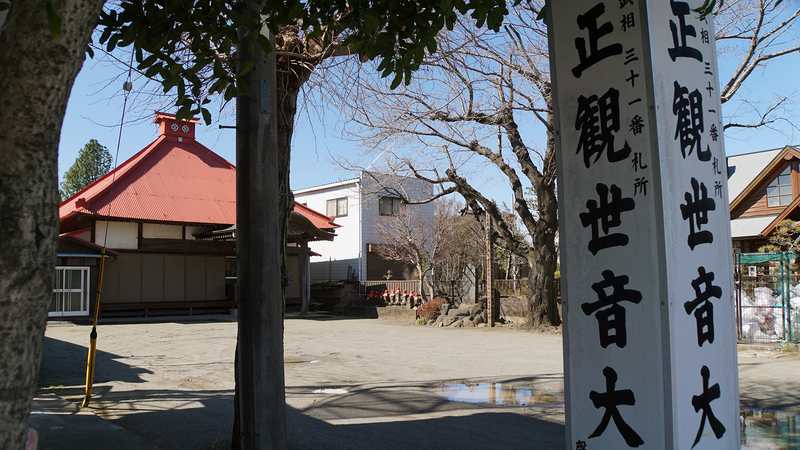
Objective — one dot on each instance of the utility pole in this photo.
(490, 300)
(261, 400)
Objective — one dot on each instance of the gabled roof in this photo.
(751, 170)
(174, 179)
(790, 208)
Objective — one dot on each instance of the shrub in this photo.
(431, 310)
(422, 321)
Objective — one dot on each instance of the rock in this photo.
(458, 313)
(468, 323)
(458, 324)
(481, 325)
(444, 309)
(475, 310)
(448, 320)
(467, 306)
(479, 319)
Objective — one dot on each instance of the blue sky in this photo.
(95, 110)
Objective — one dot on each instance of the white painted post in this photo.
(649, 337)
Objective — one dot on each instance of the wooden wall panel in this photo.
(152, 278)
(174, 278)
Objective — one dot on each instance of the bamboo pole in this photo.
(93, 336)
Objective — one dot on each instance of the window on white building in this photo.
(336, 207)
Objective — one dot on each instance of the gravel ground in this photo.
(172, 382)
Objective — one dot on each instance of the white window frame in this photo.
(66, 288)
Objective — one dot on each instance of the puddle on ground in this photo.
(298, 361)
(774, 430)
(494, 393)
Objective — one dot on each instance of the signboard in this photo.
(649, 338)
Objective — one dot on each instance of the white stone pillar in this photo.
(649, 338)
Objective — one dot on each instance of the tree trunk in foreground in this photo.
(36, 77)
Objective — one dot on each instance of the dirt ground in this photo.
(350, 383)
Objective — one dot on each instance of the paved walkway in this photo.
(350, 384)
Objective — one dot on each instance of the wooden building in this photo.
(764, 189)
(151, 211)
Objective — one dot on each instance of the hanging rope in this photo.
(127, 86)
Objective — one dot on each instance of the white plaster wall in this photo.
(120, 234)
(159, 231)
(349, 248)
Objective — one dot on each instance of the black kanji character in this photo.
(704, 36)
(638, 162)
(622, 3)
(718, 189)
(628, 21)
(606, 215)
(702, 306)
(611, 321)
(580, 445)
(640, 185)
(632, 78)
(696, 211)
(595, 55)
(598, 120)
(716, 165)
(712, 131)
(688, 108)
(637, 124)
(610, 400)
(703, 401)
(630, 56)
(680, 31)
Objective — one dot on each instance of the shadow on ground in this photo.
(64, 364)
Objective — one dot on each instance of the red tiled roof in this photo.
(174, 179)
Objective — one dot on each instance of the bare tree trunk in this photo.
(543, 302)
(36, 77)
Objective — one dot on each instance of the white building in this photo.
(355, 204)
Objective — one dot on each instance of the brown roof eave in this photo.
(780, 157)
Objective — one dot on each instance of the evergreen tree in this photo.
(94, 161)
